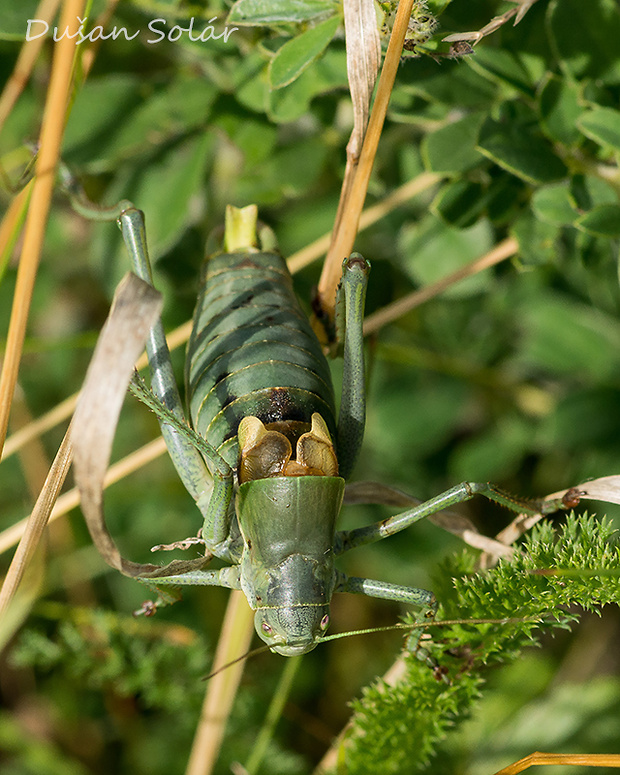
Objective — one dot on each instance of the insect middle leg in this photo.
(349, 539)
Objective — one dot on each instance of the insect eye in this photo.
(266, 628)
(325, 622)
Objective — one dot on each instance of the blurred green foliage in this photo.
(512, 376)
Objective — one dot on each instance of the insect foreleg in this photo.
(349, 319)
(349, 539)
(225, 577)
(216, 527)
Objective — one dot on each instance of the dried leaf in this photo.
(605, 489)
(135, 309)
(363, 60)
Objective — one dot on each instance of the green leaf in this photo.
(537, 239)
(452, 148)
(494, 454)
(586, 417)
(275, 11)
(602, 221)
(602, 125)
(110, 123)
(504, 200)
(564, 337)
(292, 170)
(254, 93)
(436, 250)
(554, 204)
(459, 86)
(502, 67)
(559, 109)
(329, 72)
(101, 108)
(164, 188)
(585, 38)
(297, 54)
(459, 203)
(13, 20)
(588, 192)
(519, 151)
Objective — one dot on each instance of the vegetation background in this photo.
(511, 376)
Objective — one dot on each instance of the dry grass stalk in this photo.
(46, 10)
(522, 7)
(363, 62)
(234, 641)
(50, 140)
(36, 523)
(344, 235)
(71, 499)
(585, 759)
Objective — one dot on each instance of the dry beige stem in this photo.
(71, 499)
(88, 58)
(537, 758)
(36, 523)
(50, 140)
(344, 235)
(46, 11)
(234, 641)
(363, 62)
(65, 408)
(509, 247)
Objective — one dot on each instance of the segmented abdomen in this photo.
(252, 352)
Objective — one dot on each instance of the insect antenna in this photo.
(423, 625)
(247, 655)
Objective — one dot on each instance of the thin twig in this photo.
(538, 758)
(509, 247)
(523, 6)
(398, 197)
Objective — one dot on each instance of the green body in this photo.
(252, 352)
(254, 359)
(287, 568)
